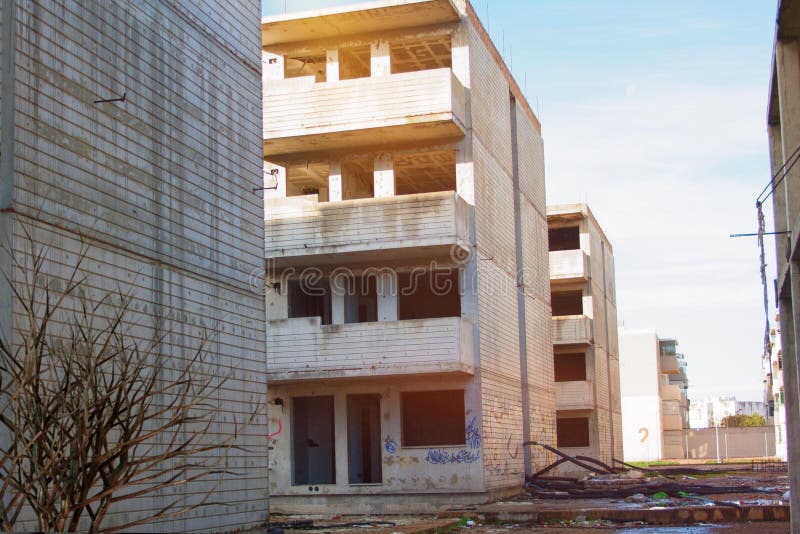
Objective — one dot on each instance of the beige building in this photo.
(408, 334)
(585, 347)
(160, 181)
(655, 406)
(783, 123)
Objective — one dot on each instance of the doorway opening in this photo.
(313, 459)
(364, 438)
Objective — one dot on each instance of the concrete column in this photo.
(791, 393)
(465, 173)
(334, 181)
(383, 176)
(787, 62)
(379, 60)
(387, 296)
(338, 292)
(274, 177)
(779, 196)
(332, 66)
(460, 54)
(273, 67)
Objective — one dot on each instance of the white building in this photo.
(653, 385)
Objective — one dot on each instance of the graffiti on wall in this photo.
(464, 456)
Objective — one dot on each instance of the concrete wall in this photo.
(500, 313)
(161, 183)
(739, 442)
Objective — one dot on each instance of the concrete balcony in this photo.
(669, 364)
(301, 231)
(569, 266)
(572, 330)
(303, 349)
(575, 395)
(301, 116)
(670, 393)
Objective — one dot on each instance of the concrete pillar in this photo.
(460, 54)
(273, 67)
(338, 292)
(332, 66)
(275, 180)
(334, 181)
(779, 196)
(383, 176)
(791, 396)
(787, 62)
(379, 59)
(387, 296)
(465, 173)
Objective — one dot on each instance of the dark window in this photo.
(567, 303)
(572, 431)
(570, 367)
(433, 418)
(429, 294)
(307, 300)
(564, 238)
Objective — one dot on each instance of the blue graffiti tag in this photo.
(442, 457)
(473, 434)
(390, 445)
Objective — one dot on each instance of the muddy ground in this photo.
(755, 488)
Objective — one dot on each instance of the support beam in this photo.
(334, 181)
(383, 176)
(338, 293)
(379, 59)
(387, 296)
(332, 66)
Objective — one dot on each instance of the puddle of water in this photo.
(693, 529)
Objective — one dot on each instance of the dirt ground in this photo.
(755, 488)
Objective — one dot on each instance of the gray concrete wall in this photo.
(737, 442)
(160, 183)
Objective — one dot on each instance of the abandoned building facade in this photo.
(585, 345)
(783, 127)
(158, 185)
(409, 347)
(654, 386)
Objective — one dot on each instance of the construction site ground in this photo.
(756, 505)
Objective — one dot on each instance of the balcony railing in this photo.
(303, 349)
(575, 395)
(572, 330)
(569, 266)
(301, 116)
(300, 230)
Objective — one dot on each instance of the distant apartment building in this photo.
(709, 412)
(585, 346)
(158, 185)
(654, 384)
(783, 127)
(774, 392)
(408, 335)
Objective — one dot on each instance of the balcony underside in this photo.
(418, 129)
(354, 255)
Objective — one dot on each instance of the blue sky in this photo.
(654, 114)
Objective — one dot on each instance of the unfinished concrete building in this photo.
(408, 333)
(585, 347)
(783, 125)
(655, 407)
(160, 182)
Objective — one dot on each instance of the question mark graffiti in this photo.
(646, 433)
